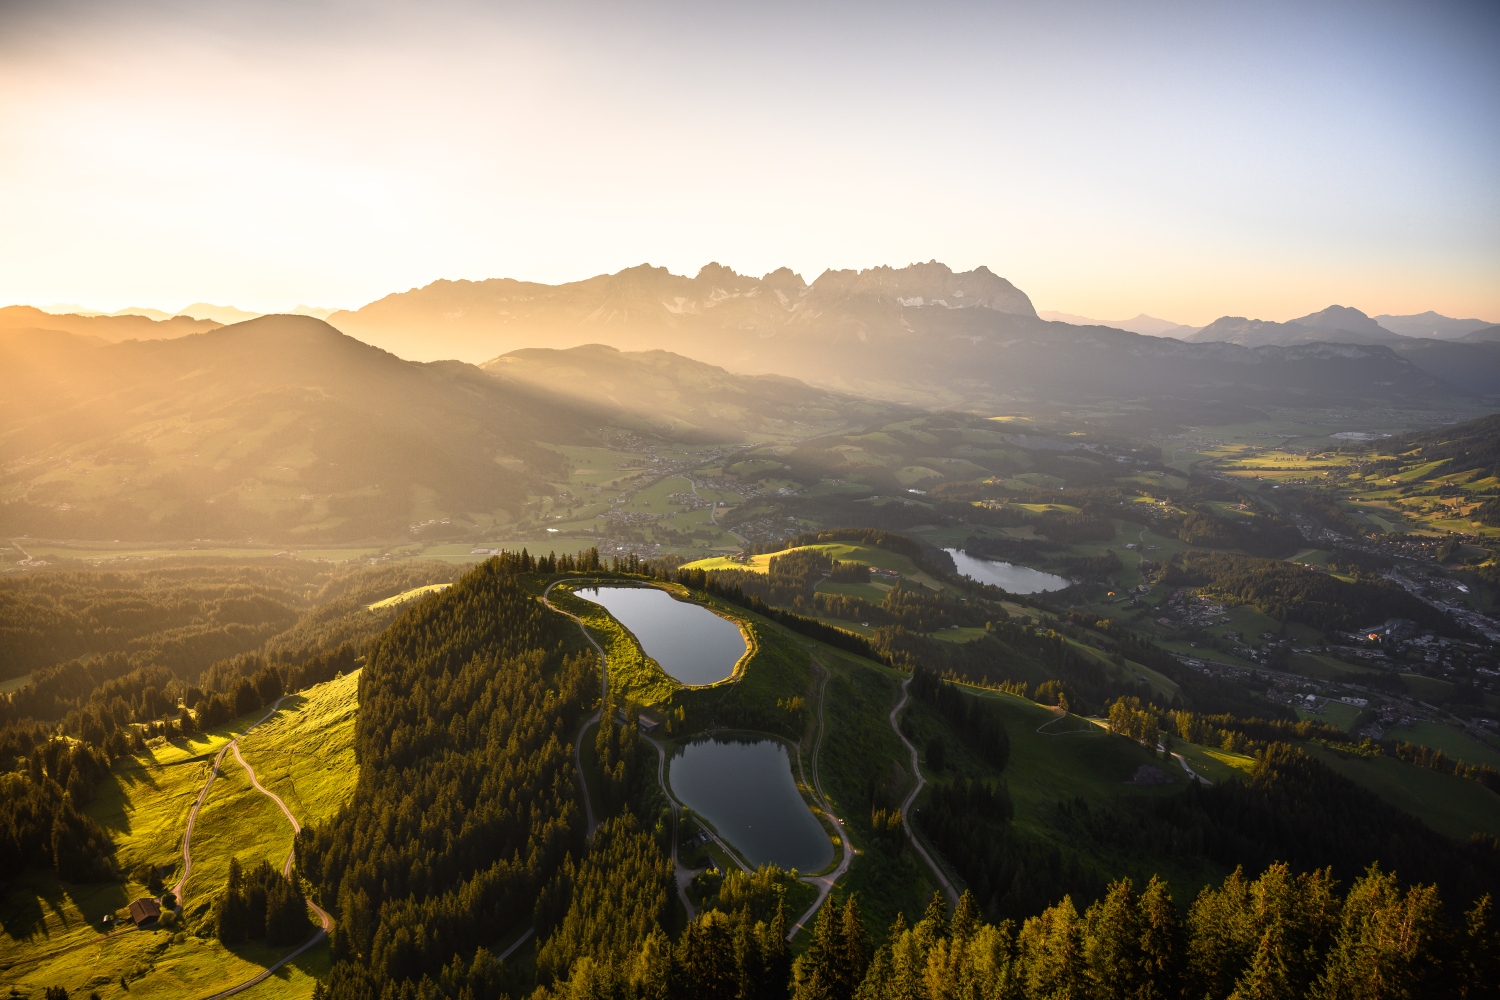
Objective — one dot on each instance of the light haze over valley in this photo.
(768, 502)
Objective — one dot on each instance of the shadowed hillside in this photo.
(662, 392)
(280, 427)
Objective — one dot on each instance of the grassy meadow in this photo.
(51, 928)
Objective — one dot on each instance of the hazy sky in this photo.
(1186, 160)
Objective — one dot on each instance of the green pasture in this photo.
(631, 672)
(1428, 689)
(64, 949)
(305, 753)
(1451, 805)
(236, 821)
(1055, 756)
(594, 466)
(1327, 668)
(1457, 745)
(859, 746)
(143, 805)
(842, 551)
(653, 498)
(872, 592)
(1214, 764)
(408, 595)
(1335, 713)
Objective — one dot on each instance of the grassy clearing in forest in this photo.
(143, 805)
(1455, 744)
(408, 595)
(631, 672)
(305, 753)
(1450, 805)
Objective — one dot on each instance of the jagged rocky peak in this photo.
(927, 284)
(715, 273)
(785, 280)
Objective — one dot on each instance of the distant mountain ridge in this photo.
(921, 334)
(1432, 324)
(648, 308)
(110, 329)
(1336, 324)
(284, 428)
(1149, 326)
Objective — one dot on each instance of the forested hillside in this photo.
(279, 428)
(467, 803)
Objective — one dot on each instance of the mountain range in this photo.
(1151, 326)
(921, 334)
(282, 428)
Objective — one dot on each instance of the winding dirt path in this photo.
(916, 767)
(324, 918)
(179, 890)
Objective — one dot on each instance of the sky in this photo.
(1185, 160)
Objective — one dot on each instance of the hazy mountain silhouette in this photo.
(1148, 325)
(1432, 324)
(103, 328)
(1336, 325)
(666, 393)
(280, 427)
(920, 334)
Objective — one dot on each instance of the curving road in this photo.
(682, 876)
(916, 767)
(180, 888)
(825, 883)
(324, 918)
(588, 806)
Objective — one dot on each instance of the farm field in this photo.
(1335, 713)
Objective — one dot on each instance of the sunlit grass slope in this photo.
(305, 753)
(50, 928)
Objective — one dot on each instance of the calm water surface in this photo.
(745, 788)
(1016, 579)
(691, 643)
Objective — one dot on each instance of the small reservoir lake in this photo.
(691, 643)
(745, 788)
(1016, 579)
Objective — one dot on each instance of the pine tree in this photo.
(853, 955)
(1385, 942)
(815, 973)
(651, 972)
(1050, 954)
(1161, 944)
(965, 917)
(1478, 973)
(1112, 944)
